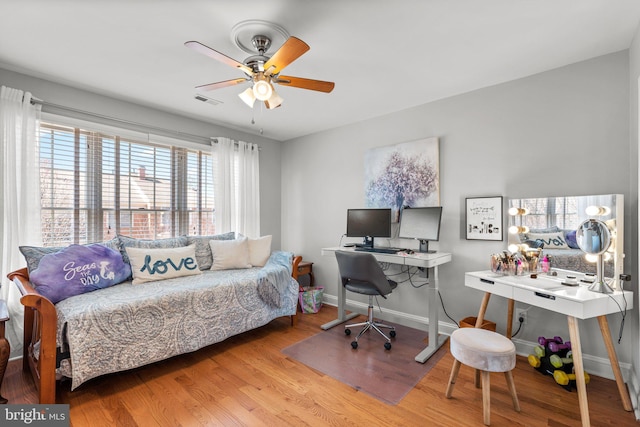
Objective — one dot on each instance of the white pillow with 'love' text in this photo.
(148, 265)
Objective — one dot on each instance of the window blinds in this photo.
(98, 181)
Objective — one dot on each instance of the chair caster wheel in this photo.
(347, 331)
(387, 345)
(354, 344)
(392, 333)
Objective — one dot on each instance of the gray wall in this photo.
(562, 132)
(270, 150)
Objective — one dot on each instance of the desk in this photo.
(429, 261)
(575, 302)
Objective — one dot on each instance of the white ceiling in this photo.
(384, 56)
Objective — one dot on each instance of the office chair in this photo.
(361, 273)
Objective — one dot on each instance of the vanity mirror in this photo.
(594, 238)
(554, 222)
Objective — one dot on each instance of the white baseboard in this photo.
(594, 365)
(634, 391)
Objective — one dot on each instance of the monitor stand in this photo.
(424, 247)
(367, 242)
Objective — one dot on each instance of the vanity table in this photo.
(576, 302)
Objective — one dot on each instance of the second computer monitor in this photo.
(422, 224)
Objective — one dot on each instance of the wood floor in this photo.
(247, 381)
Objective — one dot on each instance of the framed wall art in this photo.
(484, 218)
(406, 174)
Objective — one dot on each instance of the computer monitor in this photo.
(422, 224)
(368, 223)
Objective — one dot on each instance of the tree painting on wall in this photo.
(406, 174)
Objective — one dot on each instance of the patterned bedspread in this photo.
(574, 260)
(127, 326)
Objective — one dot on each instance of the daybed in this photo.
(131, 324)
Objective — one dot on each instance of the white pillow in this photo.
(259, 251)
(551, 240)
(229, 254)
(148, 265)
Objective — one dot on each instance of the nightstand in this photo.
(306, 268)
(5, 349)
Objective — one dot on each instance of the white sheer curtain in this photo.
(19, 198)
(236, 172)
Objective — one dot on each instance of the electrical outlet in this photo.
(522, 315)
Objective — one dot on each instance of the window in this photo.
(94, 185)
(558, 211)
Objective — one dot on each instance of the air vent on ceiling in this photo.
(207, 100)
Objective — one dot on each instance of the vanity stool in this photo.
(487, 352)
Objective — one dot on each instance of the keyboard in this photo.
(380, 250)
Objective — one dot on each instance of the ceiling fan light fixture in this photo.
(273, 102)
(248, 97)
(262, 90)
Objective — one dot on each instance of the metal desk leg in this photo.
(615, 365)
(576, 349)
(435, 340)
(342, 316)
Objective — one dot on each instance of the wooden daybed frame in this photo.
(40, 325)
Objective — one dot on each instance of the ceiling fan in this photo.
(263, 70)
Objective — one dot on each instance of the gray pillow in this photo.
(131, 242)
(203, 250)
(33, 254)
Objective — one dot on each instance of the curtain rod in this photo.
(129, 122)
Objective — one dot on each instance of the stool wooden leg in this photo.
(486, 397)
(479, 321)
(452, 378)
(512, 389)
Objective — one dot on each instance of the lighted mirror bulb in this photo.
(597, 210)
(591, 257)
(607, 256)
(515, 229)
(513, 248)
(518, 211)
(262, 90)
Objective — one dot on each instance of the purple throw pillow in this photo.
(570, 238)
(78, 269)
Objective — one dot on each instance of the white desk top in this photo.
(416, 259)
(548, 292)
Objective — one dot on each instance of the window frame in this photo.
(183, 209)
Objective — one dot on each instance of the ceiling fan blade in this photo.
(291, 50)
(212, 53)
(219, 85)
(319, 85)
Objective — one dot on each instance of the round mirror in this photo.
(593, 236)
